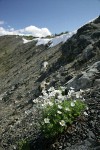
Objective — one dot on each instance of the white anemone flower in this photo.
(51, 89)
(85, 113)
(81, 91)
(72, 104)
(61, 97)
(71, 88)
(35, 101)
(62, 88)
(47, 120)
(77, 95)
(43, 91)
(50, 103)
(52, 94)
(59, 101)
(40, 96)
(75, 101)
(70, 92)
(58, 92)
(62, 123)
(83, 99)
(59, 106)
(45, 94)
(43, 105)
(67, 109)
(59, 112)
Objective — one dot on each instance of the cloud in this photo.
(1, 22)
(37, 32)
(11, 31)
(30, 30)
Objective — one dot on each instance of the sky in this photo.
(45, 17)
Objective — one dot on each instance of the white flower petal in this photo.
(59, 106)
(47, 120)
(62, 123)
(50, 103)
(67, 109)
(72, 104)
(71, 88)
(85, 113)
(51, 89)
(35, 101)
(59, 112)
(77, 95)
(81, 91)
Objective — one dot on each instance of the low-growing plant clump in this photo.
(59, 110)
(57, 116)
(23, 145)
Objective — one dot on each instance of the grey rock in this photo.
(88, 52)
(86, 79)
(91, 135)
(97, 82)
(79, 83)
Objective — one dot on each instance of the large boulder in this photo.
(88, 52)
(86, 79)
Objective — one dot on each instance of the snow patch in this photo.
(61, 39)
(26, 41)
(42, 41)
(56, 40)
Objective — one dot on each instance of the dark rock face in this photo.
(84, 39)
(88, 52)
(76, 63)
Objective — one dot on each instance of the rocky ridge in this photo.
(75, 63)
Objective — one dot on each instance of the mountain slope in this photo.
(22, 70)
